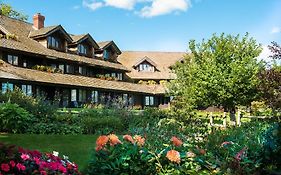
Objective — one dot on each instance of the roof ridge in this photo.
(140, 51)
(16, 19)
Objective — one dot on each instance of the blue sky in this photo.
(159, 25)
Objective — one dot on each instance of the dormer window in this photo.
(54, 42)
(105, 55)
(82, 49)
(144, 67)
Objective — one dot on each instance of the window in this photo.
(82, 49)
(53, 42)
(61, 67)
(82, 95)
(149, 100)
(24, 63)
(27, 89)
(113, 75)
(95, 96)
(12, 59)
(69, 68)
(73, 95)
(82, 70)
(7, 87)
(53, 66)
(119, 76)
(105, 54)
(146, 67)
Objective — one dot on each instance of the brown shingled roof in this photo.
(26, 44)
(79, 38)
(17, 73)
(163, 60)
(105, 44)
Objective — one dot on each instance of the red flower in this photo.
(25, 157)
(37, 160)
(129, 138)
(5, 167)
(20, 167)
(12, 163)
(173, 156)
(176, 141)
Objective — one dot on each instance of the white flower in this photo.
(55, 153)
(65, 157)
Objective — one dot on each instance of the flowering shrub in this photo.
(129, 155)
(19, 161)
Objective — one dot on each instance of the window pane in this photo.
(10, 59)
(29, 90)
(151, 100)
(24, 63)
(23, 88)
(146, 100)
(4, 87)
(73, 95)
(61, 67)
(15, 61)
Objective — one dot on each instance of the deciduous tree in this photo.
(7, 10)
(221, 71)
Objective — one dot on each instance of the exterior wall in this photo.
(43, 42)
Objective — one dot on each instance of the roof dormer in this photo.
(52, 37)
(83, 45)
(145, 65)
(108, 51)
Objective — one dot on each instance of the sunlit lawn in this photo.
(77, 147)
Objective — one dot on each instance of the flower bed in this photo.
(20, 161)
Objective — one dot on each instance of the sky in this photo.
(159, 25)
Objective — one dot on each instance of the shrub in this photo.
(14, 118)
(20, 161)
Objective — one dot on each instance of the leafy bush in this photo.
(104, 120)
(55, 128)
(14, 118)
(20, 161)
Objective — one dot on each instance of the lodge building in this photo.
(77, 70)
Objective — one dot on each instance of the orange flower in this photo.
(202, 151)
(102, 140)
(173, 156)
(128, 138)
(176, 141)
(113, 139)
(139, 140)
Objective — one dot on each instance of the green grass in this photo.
(77, 147)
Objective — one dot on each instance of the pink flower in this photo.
(240, 154)
(5, 167)
(25, 157)
(43, 172)
(62, 169)
(37, 160)
(12, 163)
(20, 167)
(226, 143)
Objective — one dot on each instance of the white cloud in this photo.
(150, 8)
(275, 30)
(122, 4)
(265, 54)
(162, 7)
(94, 5)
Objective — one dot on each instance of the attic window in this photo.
(145, 67)
(54, 43)
(82, 49)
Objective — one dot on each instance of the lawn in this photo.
(77, 147)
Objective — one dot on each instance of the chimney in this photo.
(38, 21)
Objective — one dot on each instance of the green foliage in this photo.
(7, 10)
(14, 119)
(104, 120)
(221, 71)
